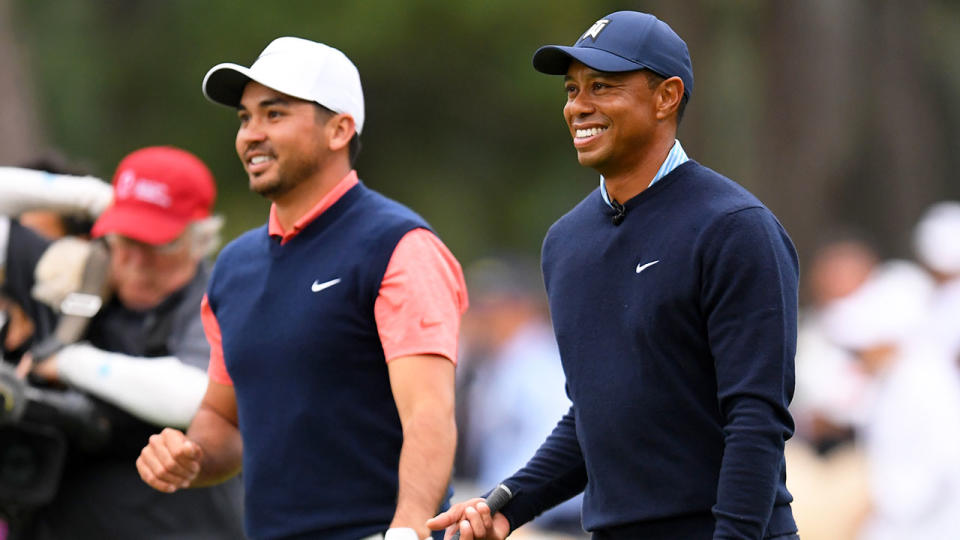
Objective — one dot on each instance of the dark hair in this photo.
(53, 162)
(654, 79)
(354, 149)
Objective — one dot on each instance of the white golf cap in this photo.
(297, 67)
(887, 309)
(936, 237)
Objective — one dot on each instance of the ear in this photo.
(668, 96)
(341, 129)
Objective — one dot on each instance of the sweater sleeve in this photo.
(749, 299)
(554, 474)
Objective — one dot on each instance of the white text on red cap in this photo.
(129, 186)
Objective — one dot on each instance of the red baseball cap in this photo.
(157, 192)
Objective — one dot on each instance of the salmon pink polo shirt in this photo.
(421, 298)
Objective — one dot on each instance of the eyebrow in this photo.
(598, 74)
(268, 103)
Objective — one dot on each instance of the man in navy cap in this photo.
(673, 294)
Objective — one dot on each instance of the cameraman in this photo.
(144, 356)
(37, 209)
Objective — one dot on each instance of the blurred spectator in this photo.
(831, 388)
(16, 328)
(937, 244)
(49, 222)
(511, 380)
(826, 473)
(143, 362)
(910, 434)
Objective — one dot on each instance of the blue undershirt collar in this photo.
(675, 158)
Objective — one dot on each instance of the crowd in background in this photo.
(876, 407)
(510, 384)
(877, 403)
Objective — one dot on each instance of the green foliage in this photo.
(459, 125)
(461, 128)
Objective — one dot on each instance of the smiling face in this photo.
(614, 118)
(282, 141)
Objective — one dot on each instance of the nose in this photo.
(578, 106)
(248, 134)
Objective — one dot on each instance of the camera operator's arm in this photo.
(27, 189)
(163, 391)
(22, 190)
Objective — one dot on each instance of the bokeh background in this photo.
(837, 114)
(840, 115)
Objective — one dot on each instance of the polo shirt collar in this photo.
(273, 224)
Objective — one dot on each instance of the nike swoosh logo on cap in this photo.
(317, 287)
(642, 267)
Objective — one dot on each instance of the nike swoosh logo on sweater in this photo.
(642, 267)
(317, 287)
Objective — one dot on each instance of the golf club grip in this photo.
(496, 500)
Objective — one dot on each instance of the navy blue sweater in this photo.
(677, 332)
(321, 432)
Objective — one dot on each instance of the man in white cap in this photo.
(334, 326)
(142, 359)
(909, 430)
(937, 248)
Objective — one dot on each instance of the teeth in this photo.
(258, 159)
(584, 133)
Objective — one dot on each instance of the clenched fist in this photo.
(170, 461)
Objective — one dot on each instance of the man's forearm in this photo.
(221, 444)
(27, 189)
(163, 391)
(750, 470)
(426, 462)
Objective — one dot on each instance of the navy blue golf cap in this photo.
(623, 41)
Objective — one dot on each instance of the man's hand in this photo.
(472, 518)
(19, 325)
(45, 369)
(170, 461)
